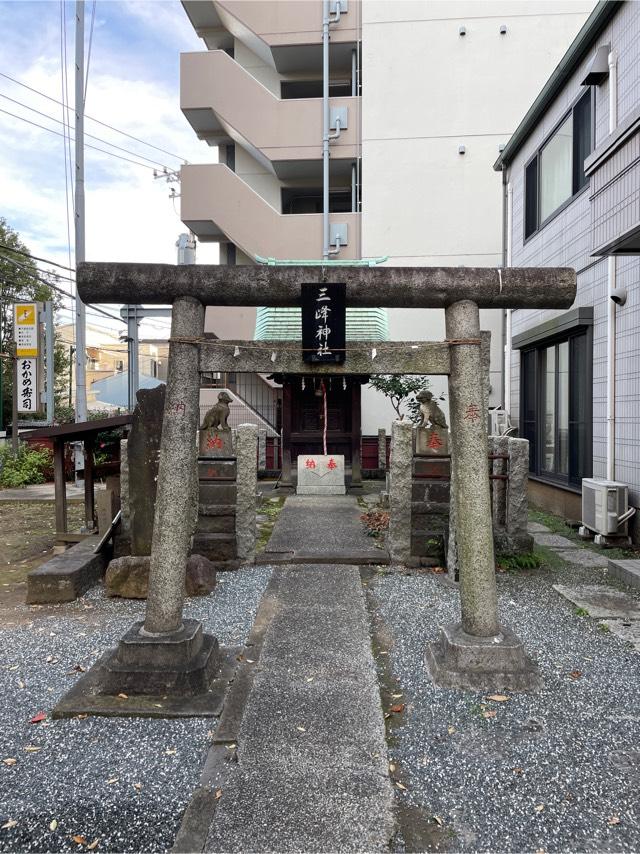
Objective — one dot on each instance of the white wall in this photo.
(427, 90)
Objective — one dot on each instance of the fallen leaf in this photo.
(51, 659)
(112, 781)
(392, 767)
(123, 696)
(498, 698)
(53, 825)
(539, 808)
(171, 751)
(517, 770)
(399, 707)
(396, 696)
(137, 787)
(575, 674)
(77, 668)
(301, 729)
(80, 840)
(437, 820)
(32, 748)
(10, 761)
(489, 714)
(613, 819)
(21, 684)
(93, 845)
(158, 705)
(250, 660)
(400, 786)
(231, 746)
(37, 718)
(9, 824)
(218, 794)
(309, 679)
(81, 717)
(451, 730)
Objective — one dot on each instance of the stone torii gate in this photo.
(478, 650)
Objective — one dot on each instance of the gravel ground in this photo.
(123, 782)
(556, 771)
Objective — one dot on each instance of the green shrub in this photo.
(28, 466)
(529, 560)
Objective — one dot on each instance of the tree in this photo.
(401, 389)
(20, 279)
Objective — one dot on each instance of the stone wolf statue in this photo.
(430, 412)
(216, 417)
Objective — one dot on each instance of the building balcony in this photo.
(224, 103)
(276, 30)
(218, 206)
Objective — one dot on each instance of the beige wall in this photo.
(427, 90)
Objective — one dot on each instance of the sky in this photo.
(133, 85)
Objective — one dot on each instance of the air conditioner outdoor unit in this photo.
(605, 506)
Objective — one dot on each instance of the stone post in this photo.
(479, 653)
(177, 473)
(246, 482)
(517, 510)
(474, 538)
(124, 488)
(382, 449)
(400, 491)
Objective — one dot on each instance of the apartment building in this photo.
(421, 96)
(572, 175)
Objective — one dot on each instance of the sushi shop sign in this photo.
(27, 338)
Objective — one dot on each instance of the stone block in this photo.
(382, 449)
(217, 469)
(432, 442)
(68, 575)
(215, 442)
(215, 547)
(627, 571)
(128, 577)
(425, 467)
(216, 524)
(107, 505)
(467, 662)
(601, 602)
(217, 492)
(321, 475)
(247, 483)
(400, 490)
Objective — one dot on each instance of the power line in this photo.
(92, 136)
(94, 147)
(35, 257)
(97, 121)
(86, 78)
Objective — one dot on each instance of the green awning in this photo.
(285, 324)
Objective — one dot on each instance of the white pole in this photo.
(325, 128)
(81, 343)
(611, 306)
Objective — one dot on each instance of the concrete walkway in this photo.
(43, 492)
(312, 771)
(322, 529)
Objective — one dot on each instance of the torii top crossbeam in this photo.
(367, 287)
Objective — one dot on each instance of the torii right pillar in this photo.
(477, 653)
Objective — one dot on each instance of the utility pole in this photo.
(81, 348)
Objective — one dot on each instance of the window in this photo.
(556, 172)
(555, 408)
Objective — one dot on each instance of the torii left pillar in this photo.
(166, 654)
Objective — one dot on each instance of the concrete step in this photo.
(627, 571)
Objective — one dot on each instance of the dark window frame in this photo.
(540, 224)
(582, 372)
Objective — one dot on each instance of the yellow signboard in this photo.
(25, 324)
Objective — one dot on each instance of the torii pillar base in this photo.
(497, 663)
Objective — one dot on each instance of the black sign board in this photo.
(324, 322)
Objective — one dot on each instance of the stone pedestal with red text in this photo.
(320, 474)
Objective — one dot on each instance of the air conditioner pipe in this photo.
(337, 249)
(625, 516)
(326, 21)
(611, 305)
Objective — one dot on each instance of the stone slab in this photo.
(627, 571)
(312, 770)
(143, 453)
(432, 442)
(537, 528)
(217, 492)
(583, 557)
(601, 602)
(213, 469)
(626, 631)
(215, 547)
(322, 525)
(128, 576)
(553, 541)
(68, 575)
(320, 474)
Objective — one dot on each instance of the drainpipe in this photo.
(611, 306)
(326, 21)
(508, 314)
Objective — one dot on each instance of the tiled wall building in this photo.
(572, 198)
